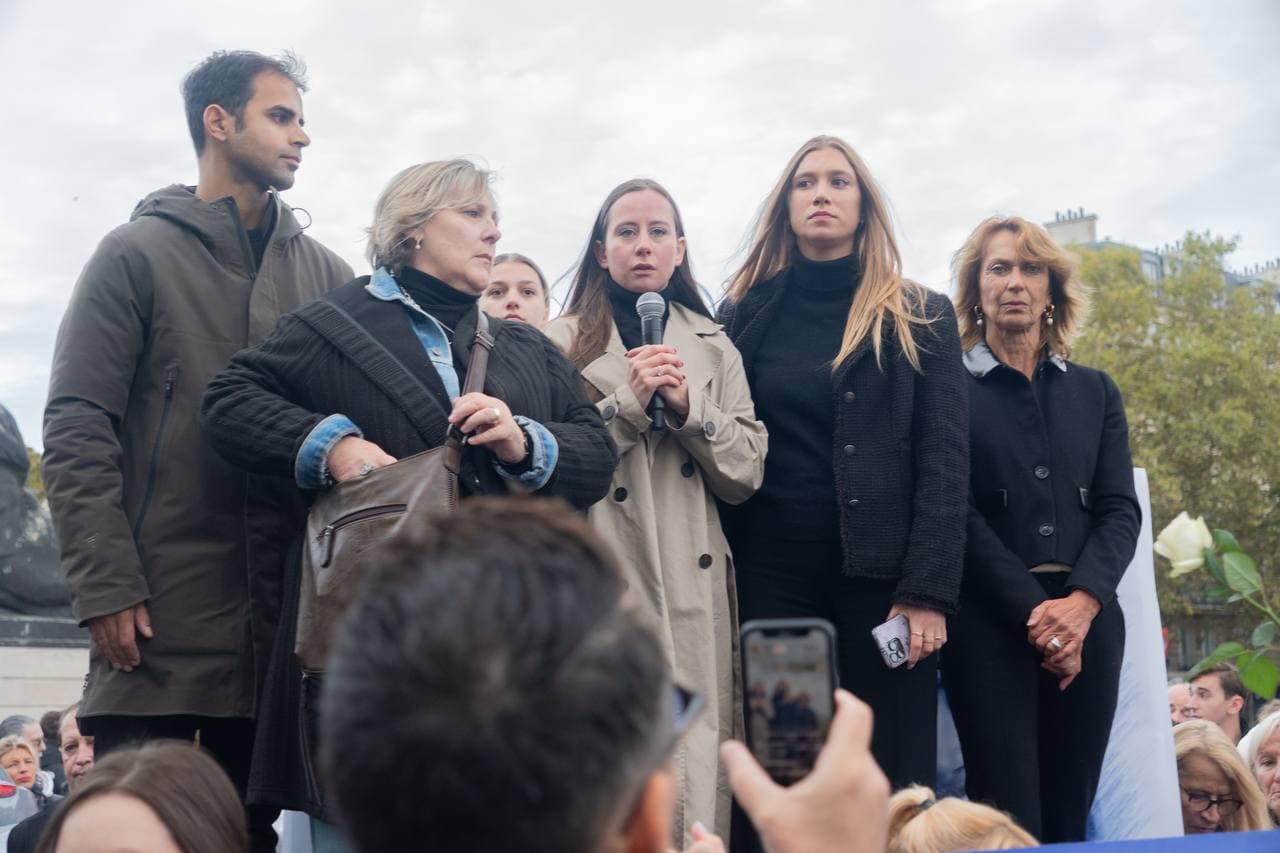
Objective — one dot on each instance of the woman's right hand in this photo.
(350, 456)
(653, 366)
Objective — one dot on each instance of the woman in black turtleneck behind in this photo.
(856, 373)
(332, 394)
(660, 514)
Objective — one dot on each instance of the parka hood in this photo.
(215, 223)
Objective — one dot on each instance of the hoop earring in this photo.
(977, 315)
(1048, 314)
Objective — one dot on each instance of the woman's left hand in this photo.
(1066, 620)
(928, 630)
(487, 422)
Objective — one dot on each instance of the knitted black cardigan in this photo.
(900, 449)
(259, 410)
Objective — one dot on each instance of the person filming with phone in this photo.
(556, 733)
(1039, 639)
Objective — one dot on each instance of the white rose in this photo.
(1183, 542)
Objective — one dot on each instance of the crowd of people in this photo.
(554, 664)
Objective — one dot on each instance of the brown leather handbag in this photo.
(350, 524)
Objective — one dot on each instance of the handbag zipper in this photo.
(326, 536)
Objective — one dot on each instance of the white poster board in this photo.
(1138, 793)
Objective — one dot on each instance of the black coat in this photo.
(261, 408)
(899, 450)
(1052, 481)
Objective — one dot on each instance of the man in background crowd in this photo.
(1217, 695)
(1179, 694)
(172, 557)
(76, 751)
(497, 670)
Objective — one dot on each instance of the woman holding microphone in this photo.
(660, 514)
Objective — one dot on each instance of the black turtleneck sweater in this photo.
(795, 398)
(438, 299)
(622, 303)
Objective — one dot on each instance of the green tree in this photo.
(1197, 364)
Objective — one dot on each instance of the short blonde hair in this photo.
(12, 742)
(412, 198)
(1206, 739)
(1068, 295)
(919, 824)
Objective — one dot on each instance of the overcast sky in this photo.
(1158, 117)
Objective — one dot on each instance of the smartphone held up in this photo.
(790, 676)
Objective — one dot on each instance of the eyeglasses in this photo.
(687, 705)
(1200, 801)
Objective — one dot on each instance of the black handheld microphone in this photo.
(651, 307)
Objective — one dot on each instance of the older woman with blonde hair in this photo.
(856, 373)
(1260, 749)
(1219, 793)
(1033, 668)
(919, 823)
(373, 373)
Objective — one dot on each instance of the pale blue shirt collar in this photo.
(980, 360)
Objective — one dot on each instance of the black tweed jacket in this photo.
(900, 449)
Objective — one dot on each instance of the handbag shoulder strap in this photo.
(478, 363)
(381, 365)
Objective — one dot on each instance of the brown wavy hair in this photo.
(883, 293)
(184, 786)
(588, 300)
(1068, 295)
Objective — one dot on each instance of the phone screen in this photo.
(789, 677)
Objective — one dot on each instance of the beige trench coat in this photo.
(660, 515)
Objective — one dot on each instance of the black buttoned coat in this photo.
(900, 448)
(1051, 481)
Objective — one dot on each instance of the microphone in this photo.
(651, 307)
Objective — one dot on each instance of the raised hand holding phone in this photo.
(789, 670)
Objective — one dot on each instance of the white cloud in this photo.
(1157, 120)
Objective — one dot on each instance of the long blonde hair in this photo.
(883, 291)
(1067, 294)
(1201, 737)
(918, 824)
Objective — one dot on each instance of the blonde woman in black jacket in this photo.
(856, 373)
(1033, 670)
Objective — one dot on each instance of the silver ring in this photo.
(365, 468)
(658, 372)
(1055, 644)
(497, 413)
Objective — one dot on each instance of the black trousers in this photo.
(1030, 749)
(778, 579)
(229, 741)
